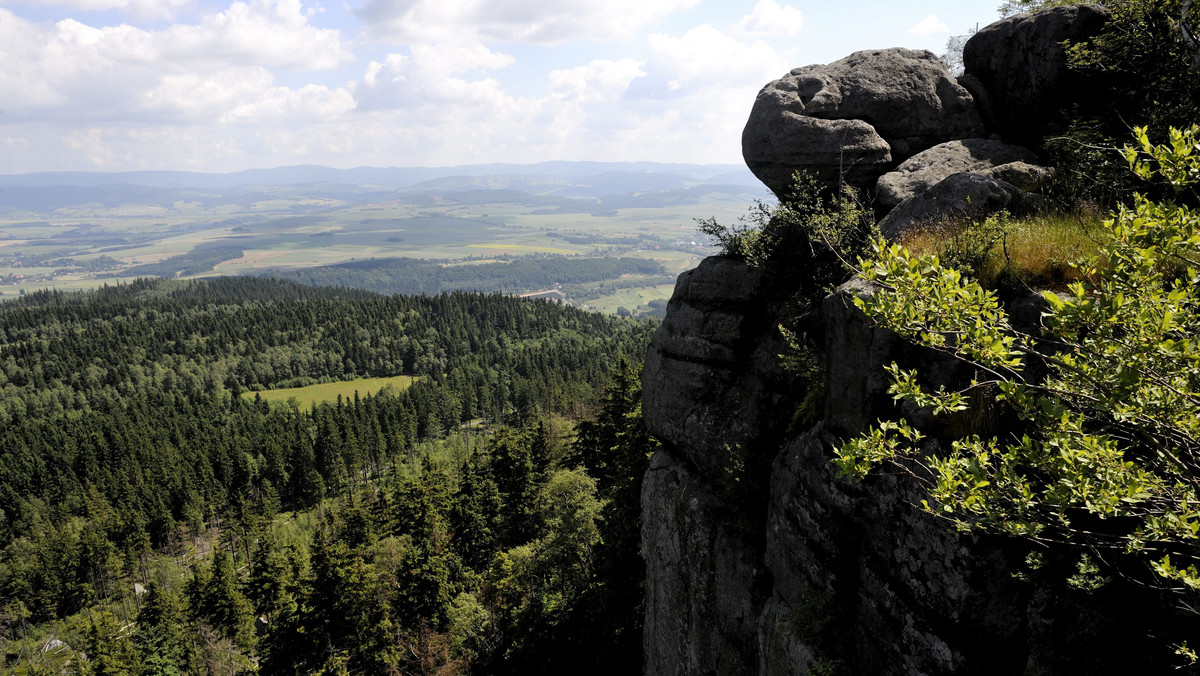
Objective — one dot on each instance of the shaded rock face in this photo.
(927, 167)
(702, 615)
(1021, 63)
(832, 570)
(710, 377)
(1026, 176)
(712, 393)
(855, 118)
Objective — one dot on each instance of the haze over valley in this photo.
(79, 230)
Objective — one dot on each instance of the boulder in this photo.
(855, 118)
(1022, 64)
(963, 196)
(1027, 177)
(923, 170)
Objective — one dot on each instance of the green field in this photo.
(631, 299)
(312, 395)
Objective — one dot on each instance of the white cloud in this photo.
(512, 20)
(930, 25)
(263, 32)
(600, 80)
(129, 100)
(72, 71)
(430, 75)
(311, 102)
(705, 59)
(768, 19)
(144, 9)
(688, 101)
(444, 104)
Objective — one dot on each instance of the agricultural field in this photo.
(79, 237)
(320, 393)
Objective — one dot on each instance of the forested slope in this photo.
(124, 441)
(414, 276)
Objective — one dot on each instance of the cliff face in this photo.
(762, 560)
(736, 584)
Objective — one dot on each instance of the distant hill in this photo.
(392, 177)
(616, 183)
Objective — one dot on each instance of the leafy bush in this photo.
(1107, 458)
(1142, 66)
(807, 242)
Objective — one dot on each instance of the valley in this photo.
(80, 231)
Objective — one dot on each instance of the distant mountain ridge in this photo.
(391, 177)
(644, 184)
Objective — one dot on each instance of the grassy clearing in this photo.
(1031, 253)
(630, 299)
(312, 395)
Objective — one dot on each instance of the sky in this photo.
(219, 85)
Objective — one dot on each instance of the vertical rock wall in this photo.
(762, 560)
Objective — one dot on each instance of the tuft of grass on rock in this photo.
(1017, 254)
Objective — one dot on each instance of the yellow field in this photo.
(307, 397)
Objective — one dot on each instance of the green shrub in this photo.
(808, 242)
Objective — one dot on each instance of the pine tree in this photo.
(160, 636)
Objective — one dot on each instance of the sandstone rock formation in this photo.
(1021, 63)
(709, 344)
(855, 118)
(1028, 177)
(958, 198)
(712, 380)
(927, 167)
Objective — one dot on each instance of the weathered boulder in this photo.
(926, 168)
(1022, 64)
(956, 198)
(1027, 177)
(855, 118)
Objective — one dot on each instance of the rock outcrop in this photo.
(855, 118)
(955, 199)
(927, 167)
(719, 356)
(1022, 64)
(712, 380)
(891, 113)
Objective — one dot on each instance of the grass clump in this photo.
(1016, 254)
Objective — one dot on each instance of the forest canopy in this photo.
(457, 522)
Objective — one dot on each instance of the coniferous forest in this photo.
(158, 518)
